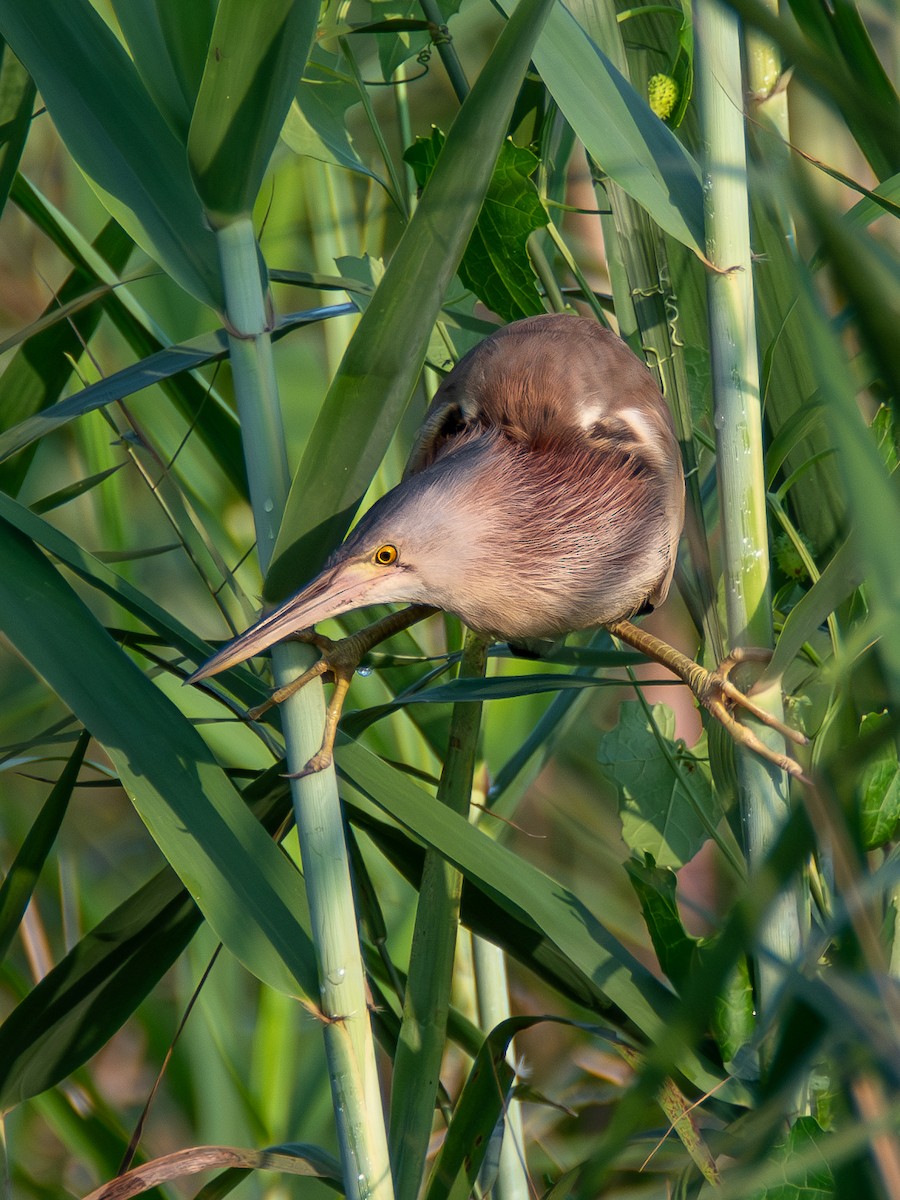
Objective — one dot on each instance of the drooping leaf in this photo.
(316, 123)
(663, 794)
(733, 1017)
(619, 129)
(169, 43)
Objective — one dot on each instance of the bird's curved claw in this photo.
(718, 694)
(338, 664)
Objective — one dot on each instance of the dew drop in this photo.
(365, 672)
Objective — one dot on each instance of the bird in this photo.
(544, 494)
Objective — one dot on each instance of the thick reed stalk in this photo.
(492, 989)
(342, 1002)
(420, 1048)
(739, 447)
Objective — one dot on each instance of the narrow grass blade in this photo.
(22, 876)
(17, 93)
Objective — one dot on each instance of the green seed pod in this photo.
(662, 92)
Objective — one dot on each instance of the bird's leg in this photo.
(716, 692)
(339, 660)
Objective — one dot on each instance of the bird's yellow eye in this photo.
(385, 555)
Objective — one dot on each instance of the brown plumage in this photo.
(544, 494)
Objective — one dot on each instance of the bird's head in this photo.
(412, 546)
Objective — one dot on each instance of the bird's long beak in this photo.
(336, 590)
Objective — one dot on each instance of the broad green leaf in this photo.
(619, 129)
(169, 43)
(496, 266)
(384, 358)
(484, 1097)
(662, 808)
(255, 60)
(879, 788)
(116, 134)
(316, 123)
(22, 876)
(251, 895)
(656, 890)
(867, 210)
(803, 1161)
(17, 92)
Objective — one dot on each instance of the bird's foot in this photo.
(338, 663)
(717, 693)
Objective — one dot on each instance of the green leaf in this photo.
(656, 890)
(17, 92)
(162, 365)
(316, 124)
(23, 874)
(878, 789)
(733, 1018)
(619, 129)
(92, 991)
(169, 43)
(807, 1175)
(83, 1000)
(841, 577)
(256, 57)
(496, 266)
(551, 913)
(116, 134)
(662, 808)
(384, 358)
(483, 1099)
(251, 895)
(42, 366)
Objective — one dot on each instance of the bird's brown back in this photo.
(582, 415)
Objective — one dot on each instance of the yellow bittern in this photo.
(544, 494)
